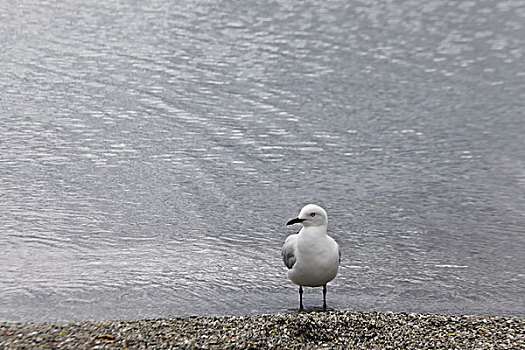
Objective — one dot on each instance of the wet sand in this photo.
(310, 330)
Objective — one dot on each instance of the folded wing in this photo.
(288, 252)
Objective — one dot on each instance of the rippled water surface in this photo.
(152, 152)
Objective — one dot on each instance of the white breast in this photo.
(317, 257)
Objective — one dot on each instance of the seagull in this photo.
(311, 256)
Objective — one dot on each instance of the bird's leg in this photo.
(300, 297)
(324, 297)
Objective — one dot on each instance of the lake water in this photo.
(152, 152)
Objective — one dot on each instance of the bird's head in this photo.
(310, 215)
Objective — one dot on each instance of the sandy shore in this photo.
(333, 330)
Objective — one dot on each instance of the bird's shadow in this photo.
(311, 309)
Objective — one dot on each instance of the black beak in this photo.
(294, 221)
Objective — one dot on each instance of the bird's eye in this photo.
(312, 214)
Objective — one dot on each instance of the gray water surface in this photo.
(152, 152)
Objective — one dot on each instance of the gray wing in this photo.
(288, 252)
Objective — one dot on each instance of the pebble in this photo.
(304, 330)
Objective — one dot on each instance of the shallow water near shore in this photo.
(151, 154)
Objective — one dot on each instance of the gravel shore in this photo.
(333, 330)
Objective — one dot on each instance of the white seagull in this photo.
(311, 256)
